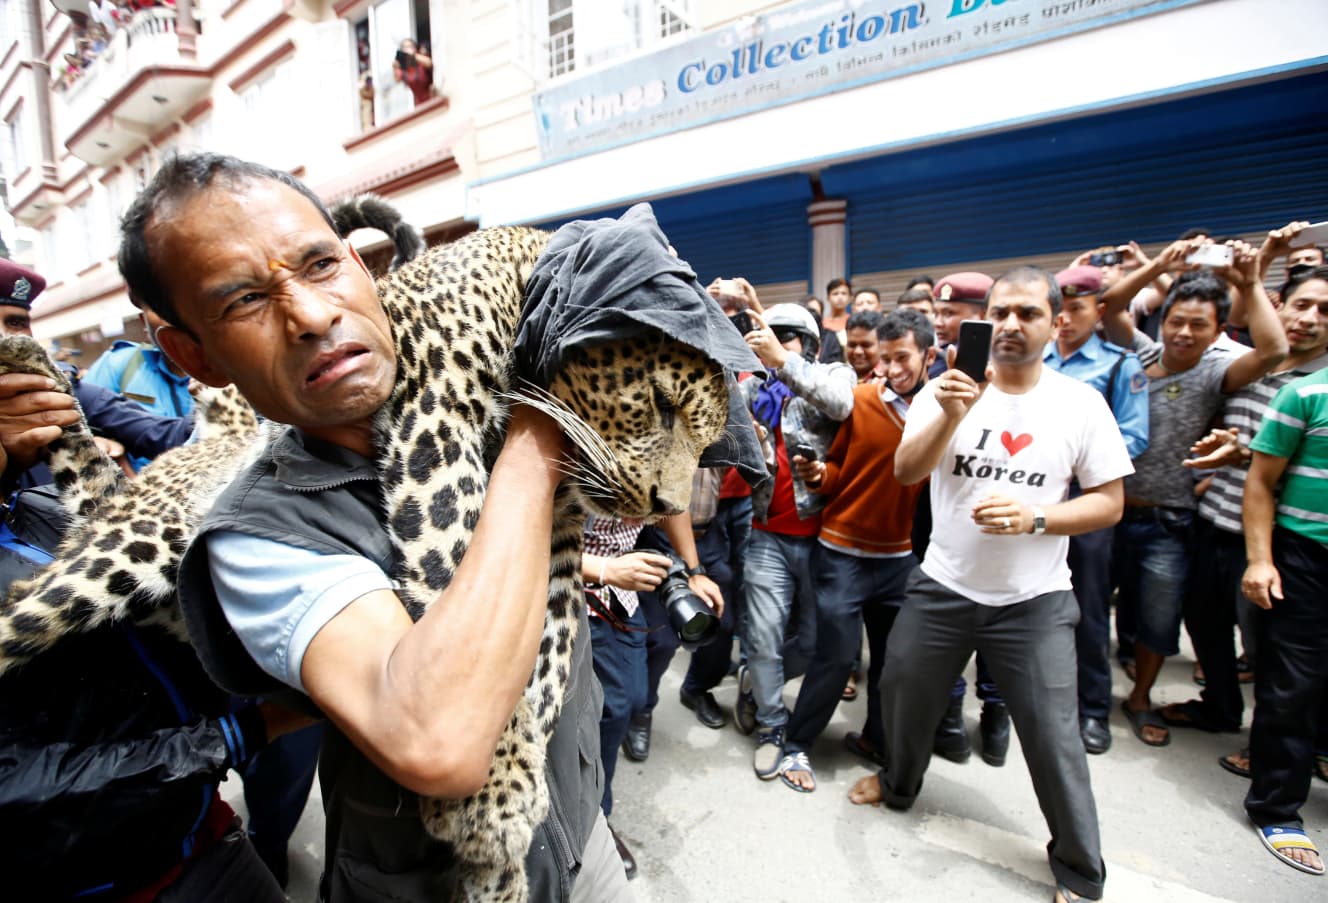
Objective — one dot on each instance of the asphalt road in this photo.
(703, 828)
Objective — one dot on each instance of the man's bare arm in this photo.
(427, 701)
(1261, 583)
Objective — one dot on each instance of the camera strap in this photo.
(606, 613)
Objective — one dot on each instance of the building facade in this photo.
(788, 142)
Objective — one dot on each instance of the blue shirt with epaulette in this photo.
(1119, 376)
(142, 374)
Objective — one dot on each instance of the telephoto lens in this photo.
(689, 616)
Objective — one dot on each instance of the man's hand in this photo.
(1244, 269)
(1220, 448)
(956, 391)
(1261, 583)
(1133, 256)
(764, 344)
(1278, 244)
(709, 592)
(32, 415)
(1003, 515)
(810, 472)
(636, 571)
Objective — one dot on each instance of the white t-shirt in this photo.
(1027, 447)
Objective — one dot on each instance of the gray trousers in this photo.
(1029, 648)
(601, 879)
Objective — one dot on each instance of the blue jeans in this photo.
(778, 572)
(1152, 564)
(619, 658)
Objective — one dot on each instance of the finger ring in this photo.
(1005, 522)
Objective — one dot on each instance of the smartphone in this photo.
(742, 321)
(974, 348)
(1212, 256)
(1313, 234)
(405, 60)
(728, 288)
(1105, 259)
(806, 452)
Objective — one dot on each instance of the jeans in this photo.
(777, 572)
(849, 588)
(277, 781)
(1030, 647)
(661, 642)
(1290, 683)
(1151, 562)
(620, 664)
(722, 550)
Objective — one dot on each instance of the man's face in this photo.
(15, 320)
(1189, 328)
(839, 298)
(1301, 256)
(862, 351)
(949, 314)
(905, 363)
(1304, 316)
(1022, 316)
(1075, 322)
(866, 301)
(926, 308)
(276, 303)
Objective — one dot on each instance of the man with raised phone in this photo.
(1002, 450)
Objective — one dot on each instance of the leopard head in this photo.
(639, 411)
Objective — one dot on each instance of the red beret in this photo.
(19, 286)
(969, 288)
(1078, 281)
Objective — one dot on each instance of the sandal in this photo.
(796, 762)
(850, 689)
(1279, 838)
(1228, 762)
(1191, 714)
(1146, 718)
(857, 744)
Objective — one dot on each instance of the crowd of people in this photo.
(988, 466)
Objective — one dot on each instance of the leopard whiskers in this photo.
(596, 450)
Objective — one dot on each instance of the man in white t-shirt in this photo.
(1001, 457)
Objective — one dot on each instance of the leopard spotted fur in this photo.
(639, 412)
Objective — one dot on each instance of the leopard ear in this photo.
(189, 355)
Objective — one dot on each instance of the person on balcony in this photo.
(414, 69)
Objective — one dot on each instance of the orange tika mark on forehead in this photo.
(274, 265)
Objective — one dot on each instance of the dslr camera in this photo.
(689, 616)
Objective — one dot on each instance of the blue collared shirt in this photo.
(1126, 393)
(152, 385)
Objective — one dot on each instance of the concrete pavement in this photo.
(703, 828)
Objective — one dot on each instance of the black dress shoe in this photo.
(952, 735)
(636, 745)
(1095, 734)
(995, 728)
(628, 860)
(707, 710)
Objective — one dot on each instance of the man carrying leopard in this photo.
(260, 292)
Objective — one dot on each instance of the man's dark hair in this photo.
(920, 280)
(867, 291)
(1199, 285)
(180, 178)
(864, 319)
(1296, 281)
(907, 321)
(1195, 233)
(1030, 275)
(836, 283)
(915, 296)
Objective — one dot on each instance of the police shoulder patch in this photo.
(1138, 382)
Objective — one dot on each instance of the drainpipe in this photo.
(41, 74)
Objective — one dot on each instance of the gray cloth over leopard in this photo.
(636, 283)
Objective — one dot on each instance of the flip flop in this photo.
(854, 743)
(1277, 838)
(1147, 718)
(796, 762)
(850, 692)
(1191, 714)
(1227, 764)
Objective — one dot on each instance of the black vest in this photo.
(317, 496)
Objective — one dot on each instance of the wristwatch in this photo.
(694, 572)
(1039, 521)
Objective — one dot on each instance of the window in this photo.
(567, 35)
(376, 39)
(115, 208)
(13, 157)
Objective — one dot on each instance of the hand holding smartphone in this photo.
(1211, 255)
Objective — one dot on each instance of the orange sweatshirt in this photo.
(869, 510)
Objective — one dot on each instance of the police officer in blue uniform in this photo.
(1076, 350)
(110, 415)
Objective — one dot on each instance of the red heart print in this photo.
(1015, 444)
